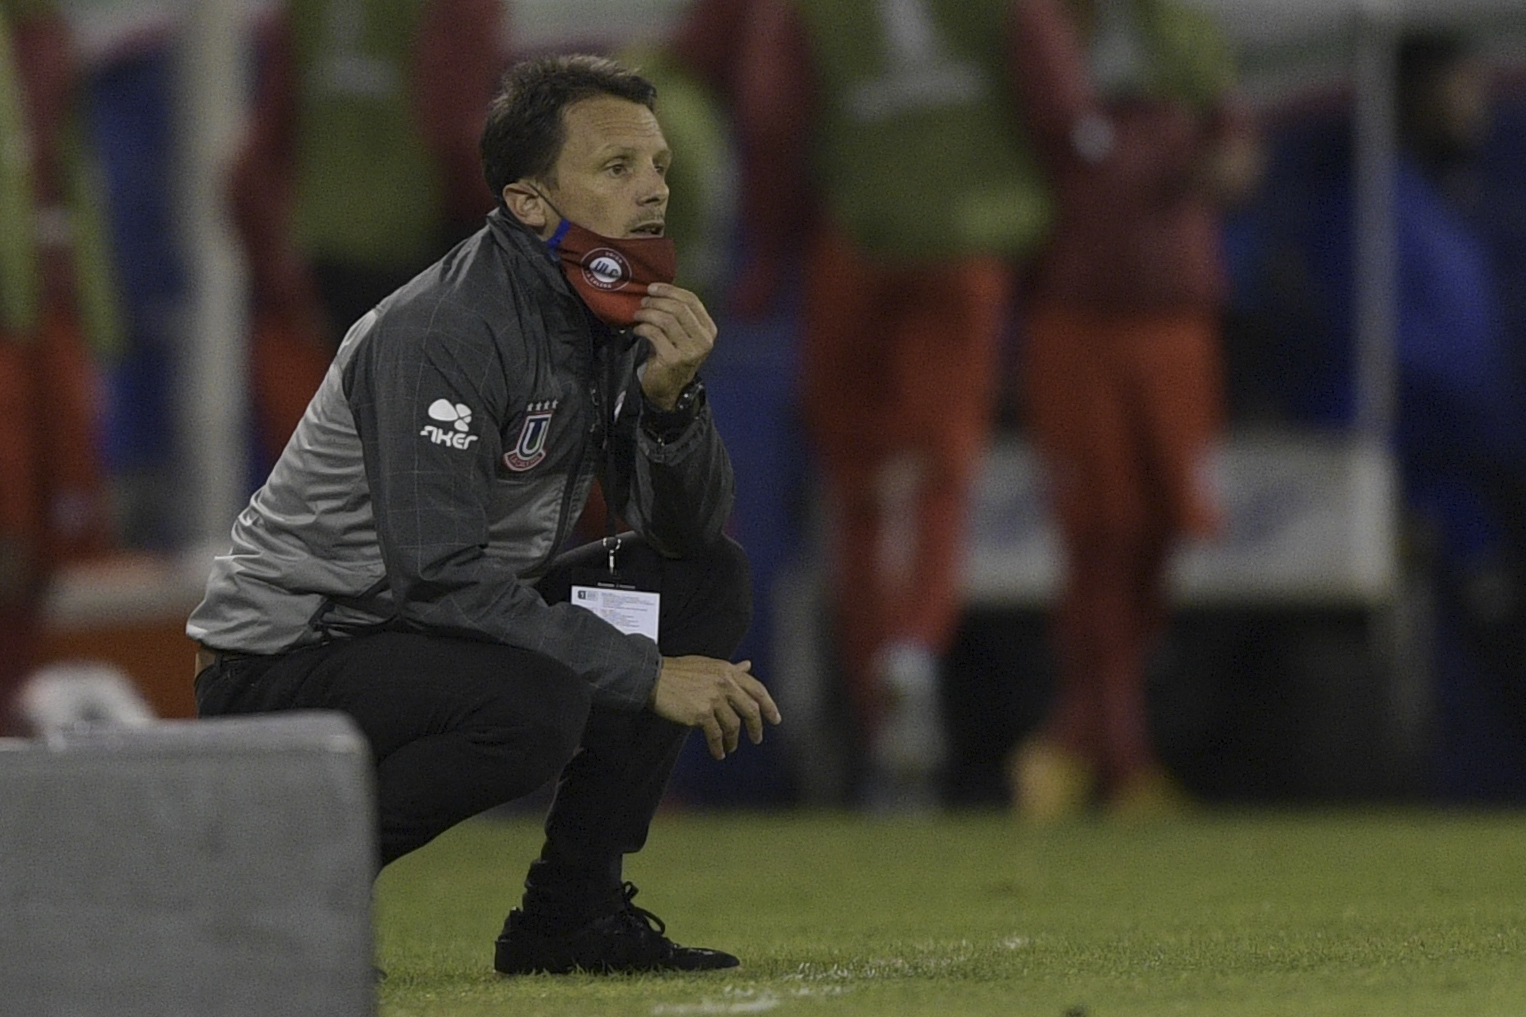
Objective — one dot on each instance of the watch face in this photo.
(689, 396)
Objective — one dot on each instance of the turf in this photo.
(1390, 913)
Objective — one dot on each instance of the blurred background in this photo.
(1352, 633)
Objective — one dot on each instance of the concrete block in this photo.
(216, 868)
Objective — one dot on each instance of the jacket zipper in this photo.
(575, 476)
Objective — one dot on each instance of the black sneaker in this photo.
(630, 939)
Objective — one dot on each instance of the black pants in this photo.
(459, 726)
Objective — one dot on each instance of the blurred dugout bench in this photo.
(1292, 669)
(129, 611)
(1308, 520)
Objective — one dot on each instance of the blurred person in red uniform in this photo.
(1132, 105)
(360, 106)
(56, 311)
(882, 152)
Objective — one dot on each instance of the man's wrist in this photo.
(665, 426)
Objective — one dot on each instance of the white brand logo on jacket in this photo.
(458, 415)
(531, 447)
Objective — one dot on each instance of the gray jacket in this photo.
(443, 463)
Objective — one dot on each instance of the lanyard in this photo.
(609, 404)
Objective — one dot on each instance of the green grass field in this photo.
(1382, 913)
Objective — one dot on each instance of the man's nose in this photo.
(655, 190)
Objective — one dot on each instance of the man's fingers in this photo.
(750, 701)
(662, 347)
(671, 330)
(679, 313)
(751, 713)
(722, 698)
(691, 319)
(759, 695)
(713, 737)
(688, 298)
(668, 312)
(731, 724)
(682, 335)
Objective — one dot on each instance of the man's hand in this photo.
(716, 695)
(682, 336)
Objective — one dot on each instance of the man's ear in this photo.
(525, 203)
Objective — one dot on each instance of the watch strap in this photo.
(666, 426)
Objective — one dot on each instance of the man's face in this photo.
(611, 174)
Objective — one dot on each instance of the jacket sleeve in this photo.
(677, 495)
(431, 499)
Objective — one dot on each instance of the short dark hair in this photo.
(524, 131)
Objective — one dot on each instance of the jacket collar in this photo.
(515, 236)
(521, 241)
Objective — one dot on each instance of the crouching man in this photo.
(404, 563)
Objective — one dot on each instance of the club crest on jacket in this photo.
(531, 447)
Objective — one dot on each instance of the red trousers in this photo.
(287, 361)
(20, 522)
(1124, 409)
(53, 501)
(899, 382)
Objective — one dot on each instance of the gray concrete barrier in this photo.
(199, 868)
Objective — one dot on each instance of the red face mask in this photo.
(611, 275)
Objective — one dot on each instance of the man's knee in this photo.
(706, 598)
(535, 742)
(727, 565)
(726, 585)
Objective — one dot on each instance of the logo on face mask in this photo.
(605, 268)
(612, 274)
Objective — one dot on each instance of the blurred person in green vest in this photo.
(57, 314)
(695, 125)
(359, 169)
(881, 150)
(1133, 109)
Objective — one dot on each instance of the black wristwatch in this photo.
(664, 426)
